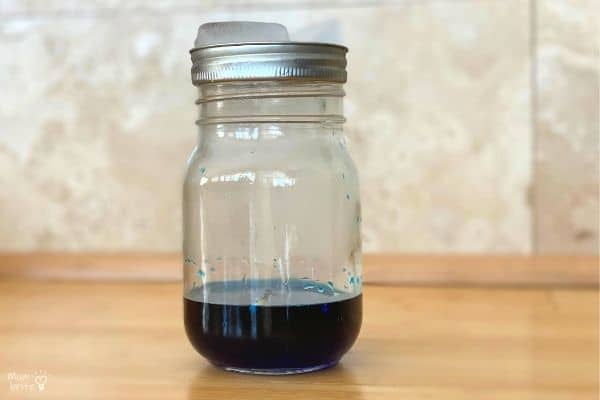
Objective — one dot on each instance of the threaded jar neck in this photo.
(270, 101)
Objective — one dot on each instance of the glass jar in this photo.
(271, 216)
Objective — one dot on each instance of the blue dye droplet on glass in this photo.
(325, 308)
(201, 273)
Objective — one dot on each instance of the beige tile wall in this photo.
(446, 109)
(566, 156)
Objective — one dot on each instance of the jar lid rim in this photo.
(269, 61)
(280, 43)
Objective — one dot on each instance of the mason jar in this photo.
(271, 210)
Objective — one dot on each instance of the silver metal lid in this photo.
(269, 61)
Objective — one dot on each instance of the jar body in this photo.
(271, 211)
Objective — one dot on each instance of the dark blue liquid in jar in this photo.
(264, 326)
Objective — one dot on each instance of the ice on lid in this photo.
(215, 33)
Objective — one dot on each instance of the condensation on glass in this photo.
(271, 210)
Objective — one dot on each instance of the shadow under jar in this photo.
(271, 215)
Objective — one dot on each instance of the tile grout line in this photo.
(533, 197)
(281, 6)
(108, 12)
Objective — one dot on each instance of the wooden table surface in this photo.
(126, 341)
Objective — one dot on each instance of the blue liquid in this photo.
(266, 327)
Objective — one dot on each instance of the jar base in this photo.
(275, 340)
(280, 371)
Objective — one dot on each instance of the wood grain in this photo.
(126, 341)
(386, 269)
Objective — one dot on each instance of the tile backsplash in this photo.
(474, 123)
